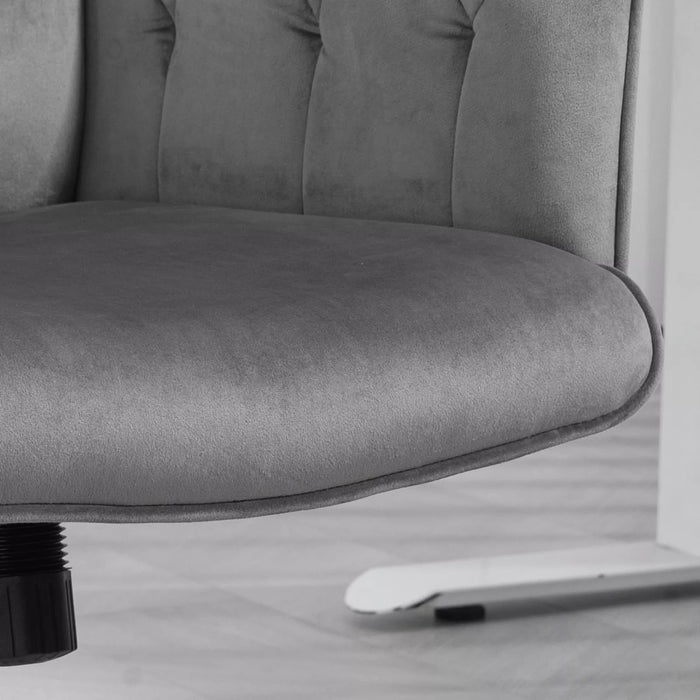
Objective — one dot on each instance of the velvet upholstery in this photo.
(285, 281)
(185, 362)
(497, 115)
(40, 101)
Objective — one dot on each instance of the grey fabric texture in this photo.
(300, 294)
(624, 177)
(40, 101)
(502, 115)
(187, 363)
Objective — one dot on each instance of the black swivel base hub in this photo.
(37, 621)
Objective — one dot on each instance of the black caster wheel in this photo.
(463, 613)
(37, 620)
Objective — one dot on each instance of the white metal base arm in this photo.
(468, 582)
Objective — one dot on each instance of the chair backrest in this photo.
(511, 116)
(40, 101)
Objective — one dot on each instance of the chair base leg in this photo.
(37, 619)
(454, 586)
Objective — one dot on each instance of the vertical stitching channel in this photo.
(477, 10)
(459, 106)
(317, 17)
(624, 168)
(173, 14)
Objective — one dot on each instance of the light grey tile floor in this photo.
(253, 609)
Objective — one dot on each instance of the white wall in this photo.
(679, 477)
(650, 188)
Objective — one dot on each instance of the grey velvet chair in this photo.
(265, 255)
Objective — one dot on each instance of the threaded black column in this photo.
(37, 621)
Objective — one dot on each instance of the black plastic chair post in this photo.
(37, 620)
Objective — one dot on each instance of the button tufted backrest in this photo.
(500, 115)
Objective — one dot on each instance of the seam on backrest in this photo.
(308, 106)
(317, 17)
(624, 173)
(165, 89)
(472, 18)
(459, 111)
(80, 145)
(478, 9)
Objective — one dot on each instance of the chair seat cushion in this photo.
(180, 362)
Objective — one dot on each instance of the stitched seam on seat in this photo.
(308, 106)
(423, 473)
(173, 15)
